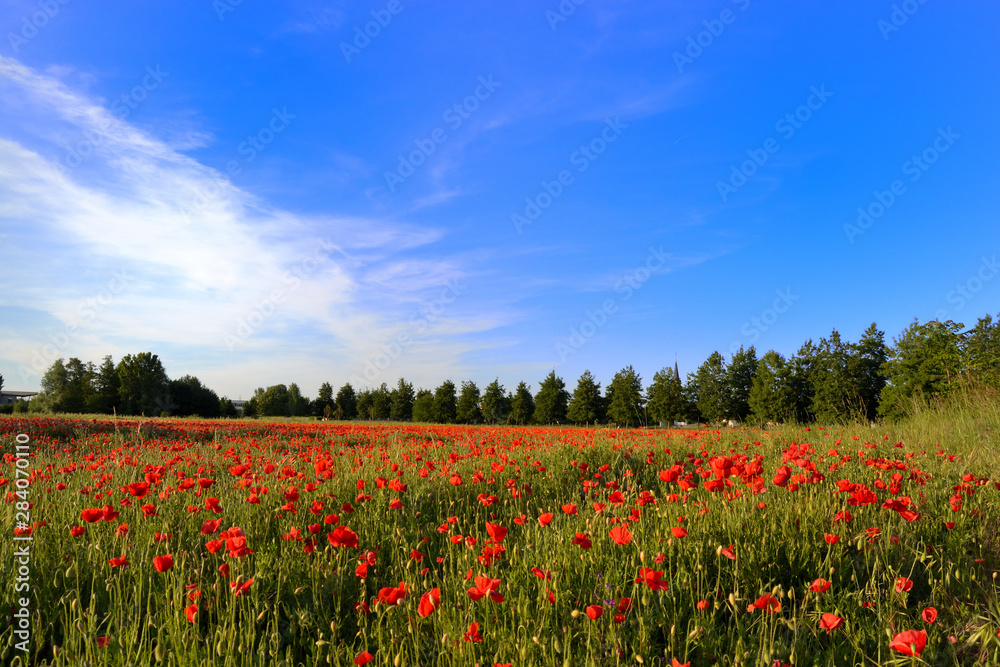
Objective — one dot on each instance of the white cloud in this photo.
(194, 266)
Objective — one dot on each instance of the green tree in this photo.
(227, 409)
(105, 396)
(665, 398)
(710, 388)
(627, 405)
(366, 404)
(272, 402)
(801, 367)
(402, 401)
(467, 407)
(926, 362)
(771, 398)
(381, 402)
(585, 406)
(347, 403)
(551, 401)
(423, 406)
(496, 403)
(324, 405)
(190, 397)
(444, 403)
(836, 384)
(739, 378)
(982, 352)
(1, 382)
(79, 386)
(522, 405)
(867, 360)
(143, 387)
(53, 392)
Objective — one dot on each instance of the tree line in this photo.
(829, 381)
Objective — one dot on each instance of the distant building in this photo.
(238, 403)
(8, 397)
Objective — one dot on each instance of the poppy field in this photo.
(172, 542)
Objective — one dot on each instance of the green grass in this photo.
(300, 608)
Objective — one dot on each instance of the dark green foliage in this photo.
(522, 405)
(347, 403)
(402, 401)
(665, 400)
(143, 386)
(585, 407)
(551, 401)
(189, 396)
(467, 408)
(444, 403)
(423, 406)
(495, 404)
(626, 405)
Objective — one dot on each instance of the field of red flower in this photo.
(203, 542)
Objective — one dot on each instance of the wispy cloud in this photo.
(341, 282)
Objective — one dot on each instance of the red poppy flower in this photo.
(224, 570)
(102, 642)
(674, 662)
(909, 642)
(830, 622)
(77, 531)
(392, 595)
(473, 634)
(429, 602)
(541, 574)
(652, 578)
(595, 611)
(702, 604)
(621, 535)
(569, 508)
(395, 504)
(545, 519)
(92, 515)
(485, 586)
(342, 536)
(191, 611)
(363, 658)
(163, 563)
(903, 584)
(929, 614)
(767, 602)
(110, 513)
(119, 562)
(727, 552)
(820, 586)
(582, 540)
(495, 531)
(210, 526)
(678, 532)
(138, 489)
(239, 589)
(831, 539)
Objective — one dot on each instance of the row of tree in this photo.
(136, 385)
(828, 382)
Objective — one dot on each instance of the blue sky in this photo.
(261, 193)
